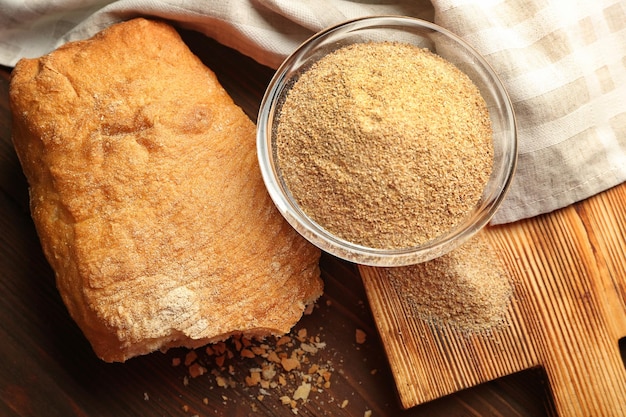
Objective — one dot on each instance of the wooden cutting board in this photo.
(568, 314)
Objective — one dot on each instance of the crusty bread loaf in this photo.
(148, 199)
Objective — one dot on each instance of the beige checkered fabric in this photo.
(564, 66)
(563, 63)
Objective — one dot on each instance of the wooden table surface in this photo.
(47, 368)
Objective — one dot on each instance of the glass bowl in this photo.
(425, 35)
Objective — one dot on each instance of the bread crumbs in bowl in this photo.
(386, 141)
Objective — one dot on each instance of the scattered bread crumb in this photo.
(287, 367)
(302, 392)
(360, 336)
(195, 370)
(253, 379)
(289, 364)
(221, 382)
(247, 353)
(190, 357)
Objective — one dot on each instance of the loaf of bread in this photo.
(147, 196)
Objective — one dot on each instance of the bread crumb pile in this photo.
(393, 140)
(467, 288)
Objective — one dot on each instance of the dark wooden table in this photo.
(47, 368)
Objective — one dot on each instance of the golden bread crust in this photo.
(147, 196)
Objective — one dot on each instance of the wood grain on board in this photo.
(567, 315)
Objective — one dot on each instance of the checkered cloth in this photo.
(563, 63)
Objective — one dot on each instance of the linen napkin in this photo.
(564, 66)
(563, 63)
